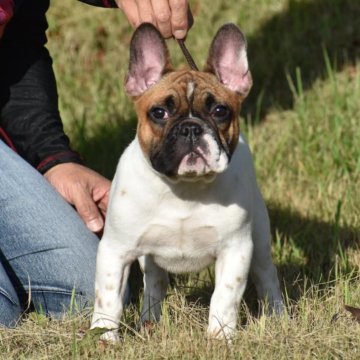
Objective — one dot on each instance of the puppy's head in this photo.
(188, 120)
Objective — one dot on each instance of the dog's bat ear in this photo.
(149, 60)
(228, 59)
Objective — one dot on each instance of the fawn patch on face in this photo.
(180, 145)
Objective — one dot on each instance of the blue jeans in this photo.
(47, 254)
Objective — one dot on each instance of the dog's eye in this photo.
(158, 113)
(220, 113)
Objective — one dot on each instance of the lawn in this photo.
(302, 120)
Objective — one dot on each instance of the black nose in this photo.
(190, 131)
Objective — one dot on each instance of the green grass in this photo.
(302, 122)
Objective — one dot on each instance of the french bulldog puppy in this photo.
(184, 193)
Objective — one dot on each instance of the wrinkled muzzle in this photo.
(191, 149)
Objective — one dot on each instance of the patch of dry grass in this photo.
(316, 327)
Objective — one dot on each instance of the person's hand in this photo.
(85, 189)
(171, 17)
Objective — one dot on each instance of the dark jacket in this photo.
(29, 117)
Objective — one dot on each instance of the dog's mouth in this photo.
(196, 155)
(194, 164)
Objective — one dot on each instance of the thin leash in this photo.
(187, 55)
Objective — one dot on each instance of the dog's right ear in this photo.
(149, 60)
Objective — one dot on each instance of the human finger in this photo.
(179, 18)
(145, 11)
(87, 209)
(162, 15)
(101, 198)
(130, 9)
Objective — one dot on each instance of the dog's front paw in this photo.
(108, 335)
(111, 336)
(220, 333)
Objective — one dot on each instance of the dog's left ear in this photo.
(228, 59)
(149, 60)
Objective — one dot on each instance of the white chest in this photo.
(180, 246)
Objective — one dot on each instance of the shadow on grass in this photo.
(311, 248)
(322, 248)
(297, 38)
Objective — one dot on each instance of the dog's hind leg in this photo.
(263, 272)
(156, 281)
